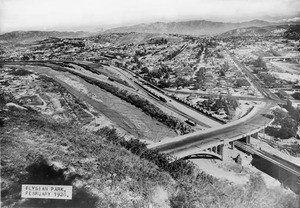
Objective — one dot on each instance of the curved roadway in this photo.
(250, 124)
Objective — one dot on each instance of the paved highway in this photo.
(281, 57)
(216, 95)
(245, 126)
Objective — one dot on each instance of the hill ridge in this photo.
(189, 27)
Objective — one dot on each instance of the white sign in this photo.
(46, 191)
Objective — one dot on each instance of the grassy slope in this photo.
(35, 145)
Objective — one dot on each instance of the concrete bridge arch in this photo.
(208, 155)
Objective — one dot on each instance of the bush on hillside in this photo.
(20, 72)
(296, 95)
(176, 169)
(288, 126)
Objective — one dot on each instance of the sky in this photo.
(84, 14)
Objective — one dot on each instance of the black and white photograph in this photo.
(150, 103)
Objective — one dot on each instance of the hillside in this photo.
(197, 27)
(274, 30)
(20, 36)
(131, 37)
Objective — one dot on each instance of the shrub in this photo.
(1, 122)
(288, 125)
(180, 200)
(176, 169)
(296, 95)
(259, 62)
(20, 72)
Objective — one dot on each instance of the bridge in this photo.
(211, 142)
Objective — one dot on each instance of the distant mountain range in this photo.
(197, 27)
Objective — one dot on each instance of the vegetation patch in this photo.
(296, 95)
(176, 168)
(285, 126)
(20, 72)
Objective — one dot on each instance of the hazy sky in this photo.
(67, 14)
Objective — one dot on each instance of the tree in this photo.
(296, 95)
(25, 58)
(200, 76)
(156, 73)
(279, 116)
(231, 102)
(292, 111)
(137, 61)
(225, 66)
(196, 86)
(289, 126)
(260, 63)
(167, 76)
(163, 83)
(222, 72)
(165, 69)
(180, 81)
(144, 70)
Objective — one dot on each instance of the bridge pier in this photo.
(231, 145)
(248, 139)
(245, 139)
(218, 150)
(222, 151)
(214, 149)
(255, 135)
